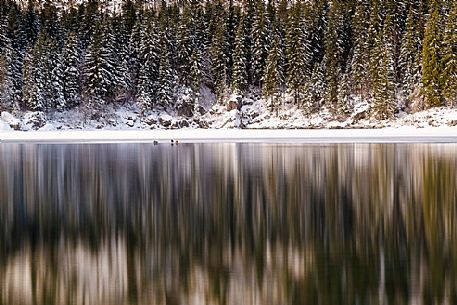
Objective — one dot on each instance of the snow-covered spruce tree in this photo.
(31, 23)
(54, 87)
(185, 45)
(134, 45)
(318, 23)
(72, 63)
(43, 81)
(248, 17)
(50, 23)
(259, 43)
(6, 77)
(360, 51)
(449, 57)
(122, 82)
(373, 43)
(91, 20)
(240, 73)
(219, 60)
(431, 58)
(384, 103)
(197, 74)
(344, 104)
(410, 52)
(315, 87)
(36, 75)
(273, 78)
(297, 51)
(18, 40)
(149, 59)
(101, 72)
(6, 82)
(97, 72)
(333, 54)
(127, 25)
(232, 18)
(167, 78)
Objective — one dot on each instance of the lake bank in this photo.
(320, 136)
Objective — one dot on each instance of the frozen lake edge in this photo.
(299, 136)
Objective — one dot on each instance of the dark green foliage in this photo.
(148, 61)
(411, 51)
(166, 78)
(298, 52)
(449, 58)
(321, 53)
(259, 43)
(240, 72)
(72, 61)
(360, 51)
(432, 68)
(273, 78)
(219, 60)
(384, 97)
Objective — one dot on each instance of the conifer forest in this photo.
(393, 54)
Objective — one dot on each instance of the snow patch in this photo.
(11, 120)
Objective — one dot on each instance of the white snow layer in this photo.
(226, 123)
(387, 135)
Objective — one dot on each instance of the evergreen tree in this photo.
(134, 49)
(333, 55)
(197, 73)
(359, 60)
(373, 46)
(50, 23)
(450, 57)
(259, 43)
(315, 88)
(72, 62)
(91, 19)
(185, 41)
(103, 67)
(298, 51)
(384, 104)
(344, 105)
(431, 59)
(17, 36)
(97, 77)
(31, 23)
(273, 79)
(248, 17)
(116, 43)
(219, 60)
(410, 52)
(6, 71)
(240, 75)
(167, 78)
(149, 57)
(54, 87)
(232, 17)
(36, 75)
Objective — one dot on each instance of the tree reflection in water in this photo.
(228, 224)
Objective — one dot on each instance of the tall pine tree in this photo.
(431, 58)
(449, 58)
(72, 63)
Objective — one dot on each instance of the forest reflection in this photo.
(228, 224)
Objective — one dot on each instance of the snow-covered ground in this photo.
(253, 113)
(386, 135)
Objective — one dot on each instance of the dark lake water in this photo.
(228, 224)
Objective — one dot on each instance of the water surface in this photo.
(228, 224)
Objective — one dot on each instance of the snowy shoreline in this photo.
(321, 136)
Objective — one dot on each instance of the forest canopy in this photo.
(392, 54)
